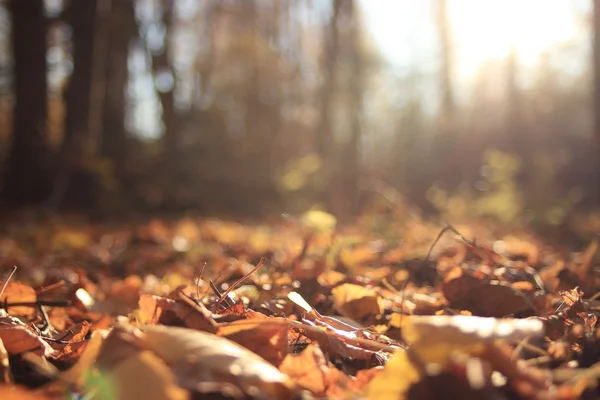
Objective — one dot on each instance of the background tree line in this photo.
(260, 106)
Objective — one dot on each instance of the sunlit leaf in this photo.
(356, 302)
(199, 357)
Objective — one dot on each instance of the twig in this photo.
(243, 278)
(198, 281)
(10, 275)
(39, 303)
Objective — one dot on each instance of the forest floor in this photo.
(388, 307)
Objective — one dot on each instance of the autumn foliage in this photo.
(296, 308)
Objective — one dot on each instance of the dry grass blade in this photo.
(260, 264)
(8, 278)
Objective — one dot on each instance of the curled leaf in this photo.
(203, 358)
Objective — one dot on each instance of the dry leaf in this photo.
(144, 376)
(356, 302)
(198, 357)
(433, 338)
(398, 375)
(16, 292)
(18, 339)
(307, 369)
(5, 376)
(76, 374)
(487, 299)
(267, 338)
(10, 392)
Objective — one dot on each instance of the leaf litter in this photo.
(299, 308)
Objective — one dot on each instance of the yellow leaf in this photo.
(433, 338)
(320, 221)
(145, 376)
(203, 358)
(356, 302)
(399, 374)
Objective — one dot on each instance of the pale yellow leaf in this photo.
(199, 357)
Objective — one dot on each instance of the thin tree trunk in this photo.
(351, 159)
(28, 173)
(161, 64)
(81, 17)
(122, 29)
(324, 139)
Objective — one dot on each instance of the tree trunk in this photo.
(28, 173)
(121, 30)
(350, 168)
(448, 150)
(81, 17)
(162, 65)
(325, 139)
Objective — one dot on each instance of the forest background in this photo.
(254, 107)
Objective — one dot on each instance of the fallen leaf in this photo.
(16, 292)
(10, 392)
(398, 375)
(144, 376)
(484, 298)
(307, 369)
(267, 338)
(19, 339)
(5, 375)
(198, 357)
(433, 338)
(356, 302)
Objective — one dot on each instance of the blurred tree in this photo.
(449, 167)
(81, 16)
(77, 138)
(165, 83)
(325, 129)
(596, 52)
(350, 158)
(29, 164)
(122, 28)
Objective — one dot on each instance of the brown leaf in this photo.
(144, 375)
(482, 297)
(267, 338)
(76, 345)
(16, 292)
(307, 369)
(198, 357)
(5, 376)
(18, 339)
(356, 302)
(10, 392)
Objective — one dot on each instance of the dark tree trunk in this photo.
(28, 173)
(324, 139)
(81, 16)
(350, 160)
(77, 143)
(162, 65)
(121, 30)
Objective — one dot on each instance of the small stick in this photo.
(58, 303)
(198, 281)
(243, 278)
(445, 229)
(5, 284)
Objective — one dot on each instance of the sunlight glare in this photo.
(484, 30)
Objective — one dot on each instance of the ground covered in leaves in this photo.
(297, 307)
